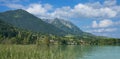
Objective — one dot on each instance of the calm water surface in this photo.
(87, 52)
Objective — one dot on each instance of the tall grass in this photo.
(39, 52)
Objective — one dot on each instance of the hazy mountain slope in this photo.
(65, 25)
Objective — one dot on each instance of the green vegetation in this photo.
(42, 52)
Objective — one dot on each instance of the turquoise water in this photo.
(90, 52)
(102, 52)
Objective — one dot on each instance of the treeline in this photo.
(23, 37)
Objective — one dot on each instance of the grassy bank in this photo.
(37, 52)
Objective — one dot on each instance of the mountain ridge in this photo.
(64, 25)
(23, 19)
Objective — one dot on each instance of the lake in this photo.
(59, 52)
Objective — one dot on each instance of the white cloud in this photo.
(36, 9)
(84, 10)
(79, 10)
(110, 2)
(95, 4)
(89, 11)
(64, 12)
(102, 24)
(47, 6)
(117, 9)
(100, 30)
(15, 6)
(40, 10)
(94, 24)
(105, 23)
(94, 10)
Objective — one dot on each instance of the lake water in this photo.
(88, 52)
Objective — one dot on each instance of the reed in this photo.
(37, 52)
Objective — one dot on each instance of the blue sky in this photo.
(100, 17)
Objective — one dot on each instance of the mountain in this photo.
(22, 19)
(65, 25)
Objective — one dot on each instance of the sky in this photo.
(99, 17)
